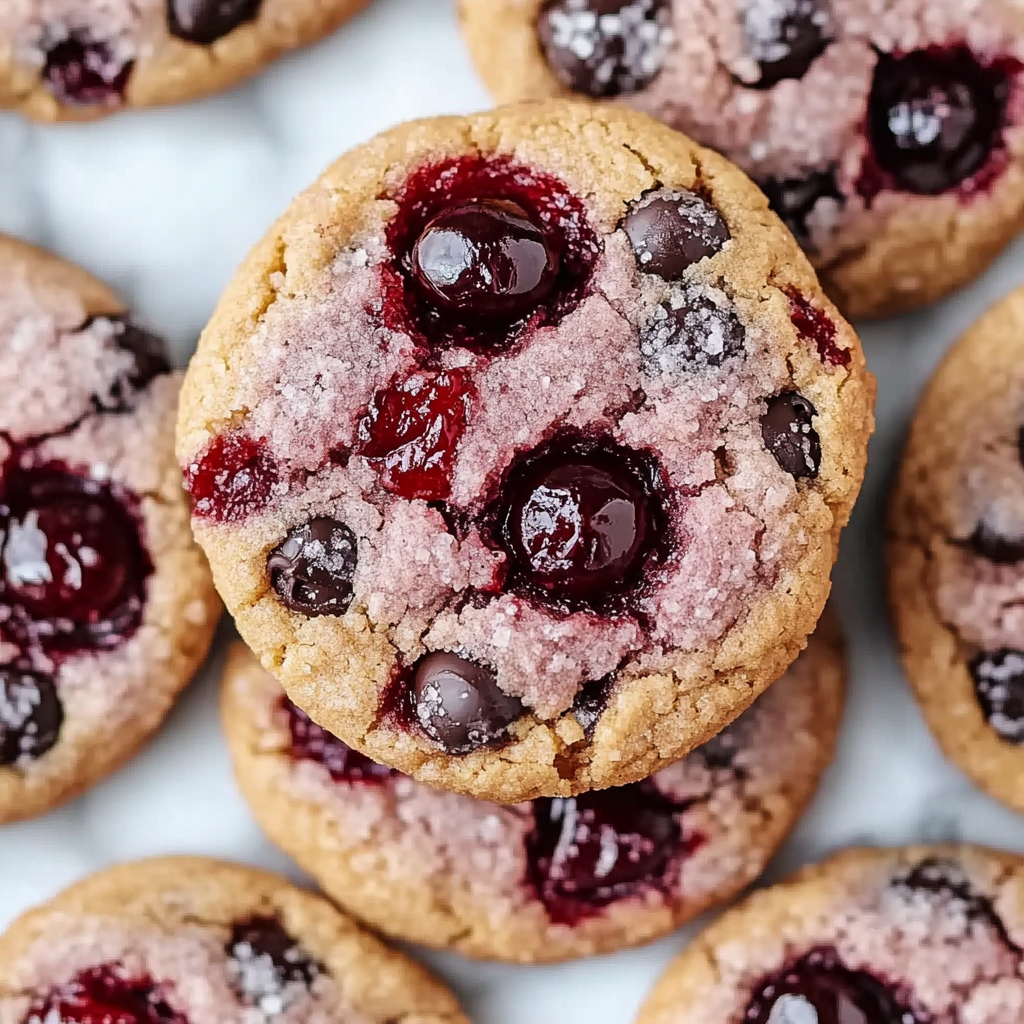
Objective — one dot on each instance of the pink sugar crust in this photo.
(953, 966)
(322, 361)
(810, 124)
(189, 964)
(113, 697)
(453, 845)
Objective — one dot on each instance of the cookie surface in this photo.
(187, 940)
(922, 935)
(956, 553)
(890, 141)
(518, 413)
(77, 60)
(107, 607)
(505, 882)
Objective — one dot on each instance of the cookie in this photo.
(63, 60)
(889, 140)
(558, 878)
(912, 936)
(956, 553)
(187, 940)
(520, 448)
(106, 604)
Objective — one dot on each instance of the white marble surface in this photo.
(163, 205)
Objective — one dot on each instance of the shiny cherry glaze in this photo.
(481, 248)
(232, 478)
(74, 567)
(311, 743)
(819, 989)
(412, 430)
(84, 72)
(103, 995)
(580, 520)
(935, 121)
(814, 325)
(588, 851)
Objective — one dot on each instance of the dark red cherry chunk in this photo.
(579, 520)
(459, 705)
(485, 258)
(103, 995)
(605, 47)
(588, 851)
(999, 687)
(309, 742)
(312, 569)
(232, 478)
(74, 567)
(85, 72)
(934, 117)
(816, 327)
(795, 199)
(267, 966)
(819, 989)
(31, 715)
(149, 360)
(788, 434)
(412, 431)
(206, 21)
(785, 38)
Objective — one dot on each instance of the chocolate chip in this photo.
(687, 331)
(785, 37)
(672, 230)
(268, 966)
(590, 704)
(990, 543)
(312, 568)
(31, 715)
(605, 47)
(796, 199)
(789, 436)
(459, 705)
(150, 360)
(206, 21)
(999, 687)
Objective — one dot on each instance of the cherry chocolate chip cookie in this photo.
(186, 940)
(956, 553)
(547, 880)
(79, 59)
(521, 446)
(922, 935)
(106, 604)
(889, 137)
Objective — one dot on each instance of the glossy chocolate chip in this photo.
(999, 687)
(690, 331)
(605, 47)
(785, 37)
(31, 715)
(672, 230)
(149, 361)
(788, 434)
(795, 200)
(206, 21)
(459, 705)
(267, 966)
(85, 72)
(996, 546)
(312, 569)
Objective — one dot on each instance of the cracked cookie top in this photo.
(546, 880)
(186, 940)
(887, 136)
(78, 59)
(520, 448)
(956, 552)
(106, 603)
(923, 935)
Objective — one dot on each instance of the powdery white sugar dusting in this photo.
(259, 978)
(764, 22)
(17, 703)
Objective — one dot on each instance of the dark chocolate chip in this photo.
(687, 332)
(795, 199)
(459, 705)
(150, 357)
(789, 436)
(267, 965)
(990, 543)
(785, 37)
(590, 704)
(605, 47)
(672, 230)
(206, 21)
(31, 715)
(999, 686)
(312, 568)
